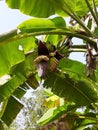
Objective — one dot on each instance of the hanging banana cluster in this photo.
(45, 60)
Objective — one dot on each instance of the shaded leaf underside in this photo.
(12, 109)
(81, 92)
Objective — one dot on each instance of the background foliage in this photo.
(75, 82)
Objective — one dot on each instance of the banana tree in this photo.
(25, 60)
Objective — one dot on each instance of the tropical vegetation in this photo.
(39, 49)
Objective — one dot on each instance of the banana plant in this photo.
(25, 59)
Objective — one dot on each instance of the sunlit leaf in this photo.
(42, 24)
(54, 113)
(33, 8)
(7, 89)
(27, 44)
(27, 67)
(74, 68)
(54, 39)
(9, 56)
(50, 114)
(43, 8)
(72, 90)
(13, 53)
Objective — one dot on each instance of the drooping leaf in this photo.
(43, 8)
(74, 68)
(19, 73)
(54, 113)
(50, 114)
(27, 67)
(12, 109)
(12, 53)
(8, 88)
(42, 24)
(33, 7)
(77, 120)
(19, 92)
(72, 90)
(28, 70)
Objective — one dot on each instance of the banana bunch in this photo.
(46, 61)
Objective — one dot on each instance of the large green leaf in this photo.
(8, 88)
(20, 73)
(39, 8)
(27, 67)
(48, 116)
(74, 68)
(12, 53)
(9, 56)
(79, 120)
(28, 44)
(15, 87)
(54, 113)
(43, 8)
(12, 109)
(72, 90)
(42, 24)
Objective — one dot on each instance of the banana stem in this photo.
(95, 9)
(77, 50)
(5, 38)
(78, 20)
(79, 46)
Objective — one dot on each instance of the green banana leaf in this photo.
(43, 8)
(12, 109)
(56, 112)
(72, 84)
(42, 24)
(13, 52)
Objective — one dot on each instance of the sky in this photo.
(11, 18)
